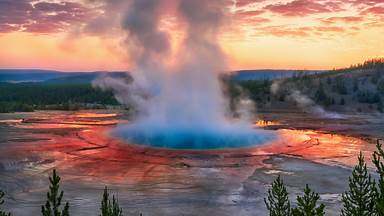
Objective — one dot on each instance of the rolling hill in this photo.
(359, 88)
(269, 74)
(59, 77)
(51, 76)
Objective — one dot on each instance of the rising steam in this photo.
(181, 104)
(304, 102)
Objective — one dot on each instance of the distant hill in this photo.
(28, 75)
(28, 71)
(50, 76)
(269, 74)
(358, 88)
(83, 78)
(28, 90)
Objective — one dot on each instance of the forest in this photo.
(358, 88)
(27, 97)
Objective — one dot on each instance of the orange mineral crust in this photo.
(80, 145)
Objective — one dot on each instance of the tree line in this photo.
(25, 97)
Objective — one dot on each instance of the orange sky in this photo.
(85, 35)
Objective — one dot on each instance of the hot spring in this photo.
(176, 89)
(191, 138)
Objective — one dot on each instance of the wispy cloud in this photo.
(41, 17)
(300, 8)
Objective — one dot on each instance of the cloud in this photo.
(365, 2)
(257, 21)
(299, 8)
(329, 29)
(249, 18)
(108, 22)
(41, 17)
(377, 10)
(285, 31)
(248, 14)
(107, 18)
(244, 3)
(7, 28)
(346, 19)
(300, 32)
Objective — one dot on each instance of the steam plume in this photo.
(303, 101)
(182, 103)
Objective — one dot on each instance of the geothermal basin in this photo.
(219, 180)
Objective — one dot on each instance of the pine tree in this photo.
(361, 197)
(278, 202)
(342, 101)
(320, 95)
(355, 85)
(2, 213)
(307, 204)
(380, 106)
(329, 80)
(108, 208)
(378, 157)
(54, 197)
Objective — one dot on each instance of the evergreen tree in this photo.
(361, 197)
(380, 106)
(380, 86)
(355, 85)
(108, 208)
(342, 101)
(320, 95)
(278, 202)
(378, 157)
(2, 213)
(307, 204)
(333, 101)
(54, 197)
(341, 86)
(329, 80)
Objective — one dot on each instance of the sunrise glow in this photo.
(73, 35)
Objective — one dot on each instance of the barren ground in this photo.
(310, 150)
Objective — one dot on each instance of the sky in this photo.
(88, 35)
